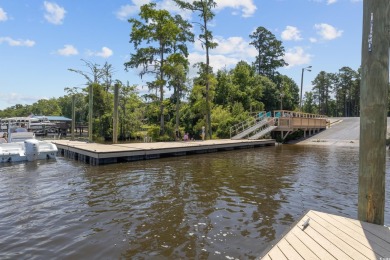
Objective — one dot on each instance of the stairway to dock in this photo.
(253, 128)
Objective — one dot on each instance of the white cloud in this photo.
(172, 7)
(68, 50)
(235, 47)
(12, 42)
(17, 98)
(55, 14)
(126, 11)
(247, 7)
(227, 54)
(297, 56)
(3, 15)
(313, 40)
(327, 32)
(216, 61)
(329, 2)
(104, 53)
(291, 33)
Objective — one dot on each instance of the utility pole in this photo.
(300, 101)
(373, 111)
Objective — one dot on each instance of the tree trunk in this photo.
(177, 94)
(208, 108)
(162, 126)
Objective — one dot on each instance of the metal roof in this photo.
(58, 118)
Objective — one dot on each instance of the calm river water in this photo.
(226, 205)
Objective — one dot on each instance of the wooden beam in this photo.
(115, 116)
(373, 113)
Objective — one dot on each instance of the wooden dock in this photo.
(97, 154)
(328, 236)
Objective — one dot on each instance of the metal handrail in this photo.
(242, 126)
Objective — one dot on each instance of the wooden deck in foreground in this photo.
(329, 236)
(97, 154)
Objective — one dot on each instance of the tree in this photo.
(346, 83)
(270, 52)
(177, 68)
(130, 110)
(288, 92)
(240, 85)
(197, 98)
(94, 77)
(322, 86)
(271, 94)
(308, 105)
(204, 8)
(46, 107)
(95, 74)
(154, 39)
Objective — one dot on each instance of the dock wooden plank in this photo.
(370, 240)
(276, 254)
(332, 237)
(287, 249)
(313, 245)
(379, 231)
(338, 245)
(359, 243)
(338, 238)
(300, 247)
(266, 257)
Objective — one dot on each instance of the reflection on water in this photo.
(213, 206)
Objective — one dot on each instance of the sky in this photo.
(41, 40)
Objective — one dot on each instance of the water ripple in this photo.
(228, 205)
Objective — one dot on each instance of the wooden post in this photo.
(373, 113)
(90, 112)
(73, 116)
(115, 119)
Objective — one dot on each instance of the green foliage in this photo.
(16, 111)
(308, 105)
(270, 52)
(46, 107)
(222, 121)
(344, 86)
(153, 131)
(131, 111)
(204, 9)
(155, 37)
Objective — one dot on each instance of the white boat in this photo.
(22, 146)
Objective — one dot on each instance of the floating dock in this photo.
(320, 235)
(98, 154)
